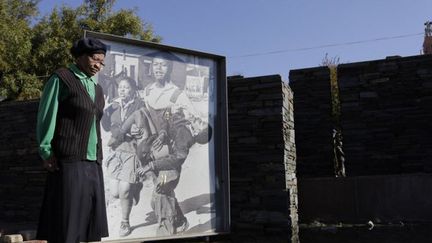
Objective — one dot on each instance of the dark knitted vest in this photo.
(74, 119)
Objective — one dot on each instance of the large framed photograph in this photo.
(164, 133)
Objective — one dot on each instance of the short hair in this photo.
(131, 82)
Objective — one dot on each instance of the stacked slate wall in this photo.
(313, 122)
(21, 175)
(386, 108)
(386, 117)
(262, 156)
(290, 159)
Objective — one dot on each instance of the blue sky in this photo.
(265, 37)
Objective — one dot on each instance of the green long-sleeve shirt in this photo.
(54, 92)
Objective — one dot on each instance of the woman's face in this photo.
(91, 64)
(124, 90)
(160, 68)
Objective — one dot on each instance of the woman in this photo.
(70, 145)
(123, 162)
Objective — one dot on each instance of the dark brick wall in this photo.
(21, 175)
(313, 123)
(262, 155)
(386, 115)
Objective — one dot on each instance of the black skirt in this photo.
(73, 208)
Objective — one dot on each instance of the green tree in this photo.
(29, 54)
(17, 81)
(53, 37)
(55, 33)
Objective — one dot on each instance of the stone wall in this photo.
(262, 156)
(313, 122)
(21, 175)
(386, 117)
(290, 159)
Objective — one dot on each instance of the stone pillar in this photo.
(290, 159)
(262, 158)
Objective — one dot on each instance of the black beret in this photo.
(88, 46)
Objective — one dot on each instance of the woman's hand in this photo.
(107, 103)
(51, 164)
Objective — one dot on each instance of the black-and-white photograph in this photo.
(162, 176)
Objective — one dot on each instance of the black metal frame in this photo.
(220, 131)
